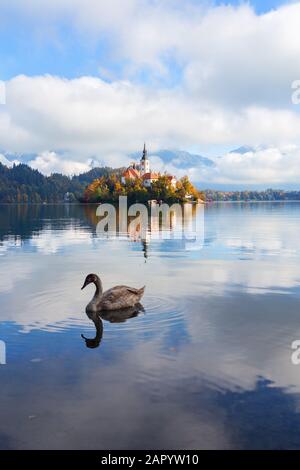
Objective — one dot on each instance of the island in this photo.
(140, 184)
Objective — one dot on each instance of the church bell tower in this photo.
(145, 164)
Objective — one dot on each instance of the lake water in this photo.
(207, 364)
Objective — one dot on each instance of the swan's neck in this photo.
(99, 289)
(99, 329)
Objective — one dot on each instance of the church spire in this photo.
(144, 157)
(145, 164)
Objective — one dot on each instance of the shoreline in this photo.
(252, 201)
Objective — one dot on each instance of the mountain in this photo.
(247, 148)
(178, 158)
(243, 149)
(182, 159)
(17, 157)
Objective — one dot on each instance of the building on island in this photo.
(142, 170)
(172, 179)
(149, 178)
(130, 174)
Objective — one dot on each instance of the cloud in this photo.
(88, 115)
(271, 165)
(226, 53)
(50, 162)
(215, 76)
(263, 165)
(93, 120)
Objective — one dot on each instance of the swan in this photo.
(116, 298)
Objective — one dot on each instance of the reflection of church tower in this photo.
(145, 244)
(145, 164)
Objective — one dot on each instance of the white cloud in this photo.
(263, 165)
(233, 86)
(224, 53)
(88, 115)
(50, 162)
(271, 165)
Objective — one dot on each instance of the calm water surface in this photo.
(207, 364)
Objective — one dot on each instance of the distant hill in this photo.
(95, 173)
(21, 183)
(252, 195)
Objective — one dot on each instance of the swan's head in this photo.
(90, 278)
(91, 343)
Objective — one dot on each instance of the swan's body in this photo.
(116, 298)
(121, 315)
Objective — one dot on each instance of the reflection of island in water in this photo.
(67, 224)
(147, 223)
(113, 316)
(24, 221)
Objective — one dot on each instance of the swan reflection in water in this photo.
(113, 316)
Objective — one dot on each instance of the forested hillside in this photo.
(267, 195)
(23, 184)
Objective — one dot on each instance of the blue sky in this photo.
(31, 49)
(259, 6)
(92, 79)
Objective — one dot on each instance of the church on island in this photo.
(142, 170)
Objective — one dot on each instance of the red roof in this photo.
(150, 176)
(130, 173)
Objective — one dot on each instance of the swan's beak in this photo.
(84, 285)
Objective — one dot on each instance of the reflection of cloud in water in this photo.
(12, 272)
(135, 397)
(10, 243)
(49, 241)
(243, 335)
(215, 321)
(48, 287)
(262, 229)
(271, 408)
